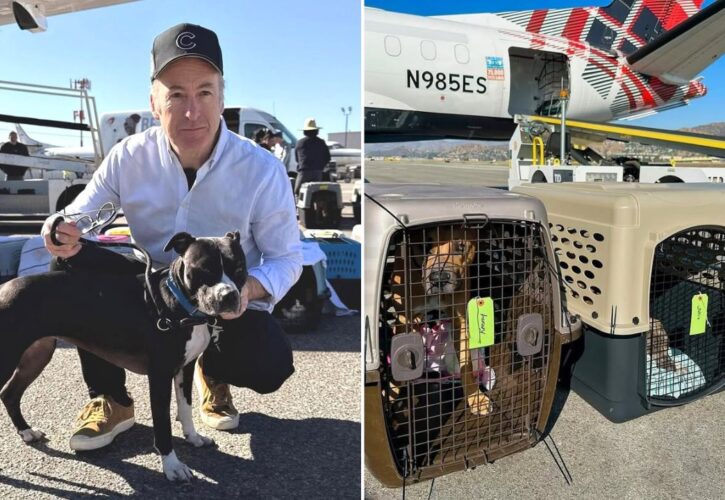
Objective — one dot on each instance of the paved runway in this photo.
(302, 441)
(673, 453)
(436, 172)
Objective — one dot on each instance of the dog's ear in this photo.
(470, 254)
(233, 236)
(233, 259)
(179, 242)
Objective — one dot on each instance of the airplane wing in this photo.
(53, 7)
(680, 54)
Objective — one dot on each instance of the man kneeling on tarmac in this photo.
(192, 174)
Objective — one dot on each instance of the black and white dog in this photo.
(108, 316)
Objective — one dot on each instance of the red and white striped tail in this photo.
(623, 25)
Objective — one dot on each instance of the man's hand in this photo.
(67, 233)
(252, 290)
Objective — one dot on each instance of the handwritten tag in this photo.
(698, 318)
(480, 321)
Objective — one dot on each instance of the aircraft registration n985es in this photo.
(467, 75)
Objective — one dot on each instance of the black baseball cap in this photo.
(185, 40)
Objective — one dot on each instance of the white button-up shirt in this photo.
(241, 187)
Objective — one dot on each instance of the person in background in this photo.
(261, 137)
(312, 155)
(14, 147)
(279, 148)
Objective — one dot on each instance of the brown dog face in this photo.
(446, 265)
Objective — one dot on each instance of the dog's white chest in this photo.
(197, 343)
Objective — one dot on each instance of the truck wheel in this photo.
(669, 179)
(631, 171)
(67, 196)
(538, 177)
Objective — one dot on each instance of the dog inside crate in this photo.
(325, 209)
(477, 297)
(685, 347)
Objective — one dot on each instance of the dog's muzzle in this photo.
(218, 299)
(442, 280)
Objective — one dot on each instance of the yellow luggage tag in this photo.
(480, 321)
(698, 317)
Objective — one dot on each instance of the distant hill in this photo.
(492, 151)
(717, 129)
(444, 148)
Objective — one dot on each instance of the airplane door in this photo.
(537, 77)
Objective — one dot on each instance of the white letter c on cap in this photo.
(184, 40)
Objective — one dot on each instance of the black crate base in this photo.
(609, 374)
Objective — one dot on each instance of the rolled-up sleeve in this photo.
(276, 234)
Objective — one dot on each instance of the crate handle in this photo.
(475, 220)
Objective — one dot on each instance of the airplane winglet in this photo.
(679, 55)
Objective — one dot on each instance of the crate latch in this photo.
(407, 357)
(529, 334)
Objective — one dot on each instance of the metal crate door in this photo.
(451, 402)
(685, 349)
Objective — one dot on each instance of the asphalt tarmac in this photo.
(675, 453)
(436, 172)
(302, 441)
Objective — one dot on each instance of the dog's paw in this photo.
(198, 440)
(32, 435)
(479, 404)
(175, 469)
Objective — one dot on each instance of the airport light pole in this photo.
(82, 84)
(346, 112)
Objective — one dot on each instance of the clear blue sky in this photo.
(708, 109)
(296, 59)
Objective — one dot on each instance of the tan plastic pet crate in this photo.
(642, 265)
(320, 205)
(462, 311)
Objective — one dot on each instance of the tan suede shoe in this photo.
(99, 422)
(217, 410)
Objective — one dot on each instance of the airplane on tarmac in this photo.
(32, 15)
(466, 76)
(343, 156)
(44, 149)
